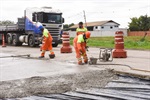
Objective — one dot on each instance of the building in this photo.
(100, 28)
(99, 25)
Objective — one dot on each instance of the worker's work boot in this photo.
(42, 54)
(86, 61)
(80, 63)
(51, 56)
(41, 57)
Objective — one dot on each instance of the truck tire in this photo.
(55, 45)
(31, 41)
(15, 40)
(9, 39)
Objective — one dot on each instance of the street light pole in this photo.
(85, 19)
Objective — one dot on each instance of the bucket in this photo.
(93, 60)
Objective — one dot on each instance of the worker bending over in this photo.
(46, 42)
(80, 47)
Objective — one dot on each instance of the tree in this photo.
(6, 22)
(140, 24)
(71, 24)
(66, 26)
(144, 22)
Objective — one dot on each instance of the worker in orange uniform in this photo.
(80, 47)
(46, 42)
(81, 29)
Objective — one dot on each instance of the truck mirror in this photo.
(33, 17)
(63, 20)
(36, 17)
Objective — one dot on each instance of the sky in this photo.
(119, 11)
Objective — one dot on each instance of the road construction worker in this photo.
(80, 47)
(46, 43)
(81, 29)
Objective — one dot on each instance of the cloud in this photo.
(118, 10)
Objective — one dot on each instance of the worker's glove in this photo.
(87, 48)
(40, 40)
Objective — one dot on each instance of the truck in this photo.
(26, 29)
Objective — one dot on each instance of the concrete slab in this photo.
(18, 68)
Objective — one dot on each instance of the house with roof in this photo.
(99, 28)
(99, 25)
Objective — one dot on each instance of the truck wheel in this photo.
(15, 40)
(55, 45)
(31, 42)
(9, 39)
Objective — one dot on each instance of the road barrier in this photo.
(66, 43)
(119, 51)
(3, 41)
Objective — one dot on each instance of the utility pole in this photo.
(85, 19)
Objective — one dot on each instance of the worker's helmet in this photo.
(87, 34)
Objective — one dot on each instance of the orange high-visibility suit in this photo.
(80, 47)
(47, 42)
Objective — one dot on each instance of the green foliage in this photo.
(136, 42)
(134, 25)
(66, 26)
(130, 42)
(140, 24)
(101, 42)
(142, 40)
(6, 22)
(71, 24)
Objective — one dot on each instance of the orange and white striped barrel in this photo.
(66, 43)
(119, 51)
(119, 42)
(3, 41)
(65, 39)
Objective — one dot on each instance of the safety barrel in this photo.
(3, 41)
(119, 51)
(66, 43)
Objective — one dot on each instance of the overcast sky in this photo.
(119, 11)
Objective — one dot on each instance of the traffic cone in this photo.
(3, 41)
